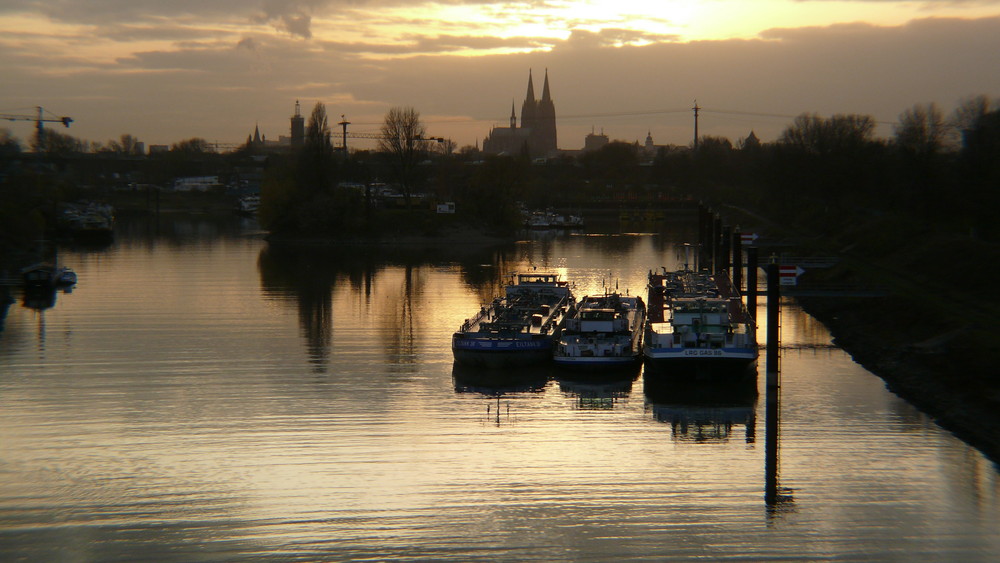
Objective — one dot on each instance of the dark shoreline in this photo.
(939, 375)
(931, 338)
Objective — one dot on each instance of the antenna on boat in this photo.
(687, 256)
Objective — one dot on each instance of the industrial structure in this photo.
(39, 119)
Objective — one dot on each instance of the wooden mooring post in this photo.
(752, 282)
(773, 325)
(737, 243)
(773, 393)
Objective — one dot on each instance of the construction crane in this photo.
(39, 119)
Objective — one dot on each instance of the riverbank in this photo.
(932, 336)
(453, 237)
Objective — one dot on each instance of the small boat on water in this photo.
(605, 331)
(46, 276)
(66, 277)
(552, 220)
(519, 328)
(698, 327)
(87, 220)
(248, 204)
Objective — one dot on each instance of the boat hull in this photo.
(500, 352)
(700, 365)
(597, 362)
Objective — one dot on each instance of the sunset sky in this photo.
(168, 71)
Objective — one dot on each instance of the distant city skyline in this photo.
(166, 72)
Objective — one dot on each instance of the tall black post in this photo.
(773, 324)
(772, 412)
(704, 227)
(772, 407)
(752, 282)
(738, 260)
(724, 244)
(716, 234)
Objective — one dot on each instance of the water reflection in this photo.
(777, 499)
(39, 298)
(310, 275)
(499, 382)
(597, 394)
(5, 302)
(704, 412)
(178, 229)
(173, 410)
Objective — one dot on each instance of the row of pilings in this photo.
(721, 250)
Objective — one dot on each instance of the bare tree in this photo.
(970, 110)
(130, 145)
(126, 144)
(403, 138)
(922, 130)
(56, 143)
(9, 146)
(194, 145)
(837, 134)
(318, 130)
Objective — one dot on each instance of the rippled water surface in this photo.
(203, 396)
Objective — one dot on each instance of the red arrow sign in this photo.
(789, 273)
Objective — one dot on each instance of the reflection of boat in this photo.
(499, 382)
(703, 412)
(516, 329)
(706, 423)
(248, 204)
(604, 331)
(5, 302)
(697, 325)
(39, 297)
(597, 395)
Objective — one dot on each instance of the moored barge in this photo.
(697, 327)
(519, 328)
(605, 331)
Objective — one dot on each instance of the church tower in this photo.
(298, 127)
(529, 107)
(537, 133)
(544, 141)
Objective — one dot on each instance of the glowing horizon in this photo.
(212, 70)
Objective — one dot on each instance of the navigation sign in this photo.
(789, 274)
(748, 238)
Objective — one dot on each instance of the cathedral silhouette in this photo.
(537, 134)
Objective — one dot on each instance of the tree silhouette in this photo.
(316, 168)
(922, 130)
(402, 139)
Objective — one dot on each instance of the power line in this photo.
(776, 115)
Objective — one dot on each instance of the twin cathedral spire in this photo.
(537, 133)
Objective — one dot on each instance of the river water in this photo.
(204, 396)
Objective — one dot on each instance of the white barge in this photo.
(698, 327)
(605, 331)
